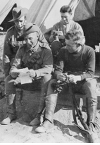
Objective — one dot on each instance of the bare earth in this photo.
(19, 131)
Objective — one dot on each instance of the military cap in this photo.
(28, 28)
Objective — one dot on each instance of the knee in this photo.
(46, 78)
(91, 84)
(9, 81)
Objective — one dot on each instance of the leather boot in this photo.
(44, 127)
(91, 110)
(50, 101)
(91, 117)
(11, 110)
(40, 117)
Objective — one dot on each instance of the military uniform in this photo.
(11, 45)
(41, 61)
(65, 28)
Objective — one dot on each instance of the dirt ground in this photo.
(19, 131)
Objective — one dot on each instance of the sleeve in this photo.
(17, 61)
(47, 66)
(90, 65)
(7, 54)
(52, 37)
(60, 63)
(78, 27)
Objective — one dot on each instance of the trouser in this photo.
(10, 91)
(87, 88)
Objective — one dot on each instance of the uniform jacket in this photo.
(41, 61)
(11, 45)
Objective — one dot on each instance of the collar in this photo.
(36, 48)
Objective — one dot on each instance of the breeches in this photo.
(10, 87)
(87, 88)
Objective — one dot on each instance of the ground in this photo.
(19, 131)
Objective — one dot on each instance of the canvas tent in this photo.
(6, 12)
(45, 13)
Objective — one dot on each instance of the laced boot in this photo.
(11, 110)
(50, 101)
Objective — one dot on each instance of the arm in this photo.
(60, 65)
(90, 65)
(7, 54)
(53, 34)
(16, 66)
(89, 60)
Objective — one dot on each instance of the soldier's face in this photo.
(31, 40)
(71, 46)
(20, 23)
(66, 17)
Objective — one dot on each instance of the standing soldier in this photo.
(11, 45)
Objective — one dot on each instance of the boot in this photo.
(11, 110)
(44, 127)
(36, 121)
(91, 110)
(91, 117)
(50, 101)
(39, 117)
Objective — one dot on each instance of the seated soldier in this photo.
(33, 60)
(66, 24)
(78, 59)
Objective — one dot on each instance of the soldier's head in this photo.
(30, 35)
(19, 17)
(74, 40)
(66, 14)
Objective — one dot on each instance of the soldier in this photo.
(11, 45)
(66, 24)
(79, 60)
(33, 60)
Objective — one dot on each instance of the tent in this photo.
(6, 12)
(45, 13)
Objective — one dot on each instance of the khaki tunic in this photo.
(11, 45)
(41, 61)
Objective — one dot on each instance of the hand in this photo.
(61, 77)
(59, 33)
(74, 79)
(32, 73)
(61, 37)
(17, 81)
(15, 72)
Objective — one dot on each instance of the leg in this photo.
(90, 90)
(44, 85)
(50, 104)
(10, 91)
